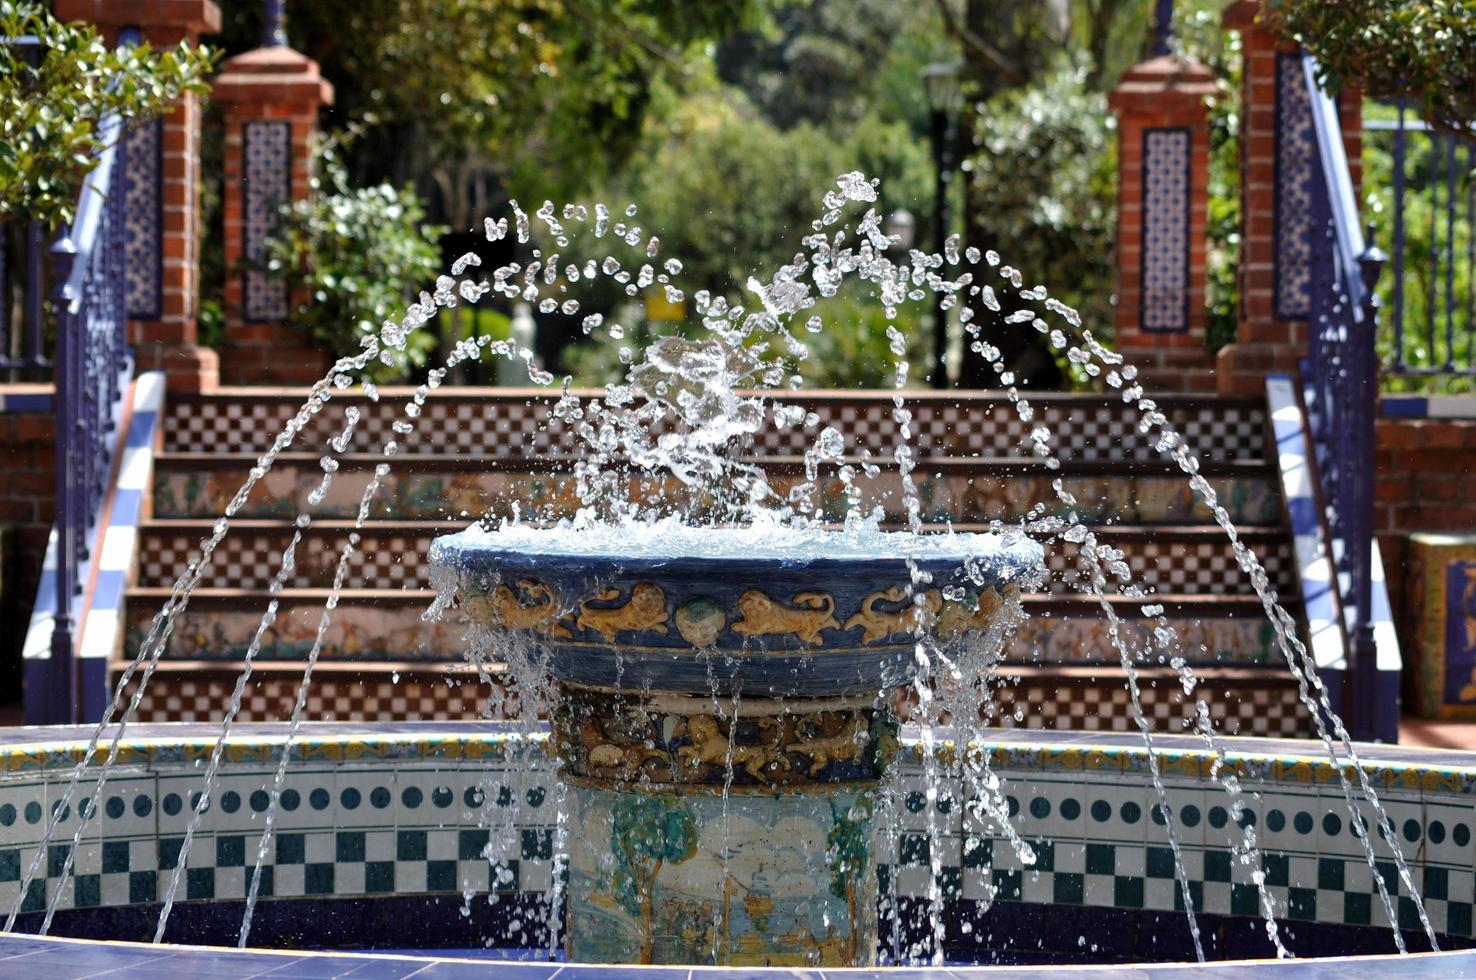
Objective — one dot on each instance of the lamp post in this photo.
(941, 87)
(273, 33)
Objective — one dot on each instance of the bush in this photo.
(350, 258)
(1044, 184)
(1422, 50)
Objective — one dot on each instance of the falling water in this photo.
(686, 409)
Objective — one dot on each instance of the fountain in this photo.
(717, 713)
(766, 739)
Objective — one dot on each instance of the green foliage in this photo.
(647, 831)
(1425, 254)
(1044, 181)
(817, 61)
(49, 129)
(1423, 50)
(349, 258)
(519, 88)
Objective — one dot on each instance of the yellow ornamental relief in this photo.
(763, 616)
(645, 610)
(879, 624)
(504, 607)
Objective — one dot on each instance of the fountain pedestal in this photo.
(722, 723)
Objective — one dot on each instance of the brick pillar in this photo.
(162, 196)
(270, 98)
(1163, 198)
(1277, 165)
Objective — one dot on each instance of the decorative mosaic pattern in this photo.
(1442, 583)
(1165, 230)
(1296, 158)
(143, 206)
(1205, 637)
(428, 495)
(267, 166)
(513, 427)
(361, 630)
(365, 816)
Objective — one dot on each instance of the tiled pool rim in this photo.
(84, 959)
(1439, 782)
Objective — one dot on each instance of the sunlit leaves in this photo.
(50, 113)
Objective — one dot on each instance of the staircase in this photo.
(475, 450)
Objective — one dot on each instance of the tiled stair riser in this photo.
(472, 421)
(380, 816)
(1238, 705)
(394, 557)
(461, 495)
(394, 632)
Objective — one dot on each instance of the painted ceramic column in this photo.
(1163, 200)
(721, 724)
(270, 98)
(161, 189)
(1277, 167)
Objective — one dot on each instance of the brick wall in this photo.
(26, 455)
(1426, 469)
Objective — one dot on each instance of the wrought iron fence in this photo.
(1426, 208)
(90, 365)
(1341, 379)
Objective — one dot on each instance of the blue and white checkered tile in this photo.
(1427, 407)
(25, 402)
(110, 563)
(1314, 562)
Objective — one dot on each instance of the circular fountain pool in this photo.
(387, 832)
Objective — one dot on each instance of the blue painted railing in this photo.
(90, 365)
(1431, 208)
(1341, 379)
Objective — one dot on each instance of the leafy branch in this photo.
(50, 136)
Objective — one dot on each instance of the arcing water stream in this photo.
(666, 444)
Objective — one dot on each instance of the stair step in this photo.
(1178, 559)
(513, 422)
(965, 490)
(1242, 701)
(386, 625)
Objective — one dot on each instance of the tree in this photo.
(49, 132)
(1420, 50)
(646, 833)
(849, 859)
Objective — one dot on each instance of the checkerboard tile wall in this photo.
(1087, 429)
(419, 819)
(397, 560)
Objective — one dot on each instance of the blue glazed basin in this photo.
(834, 616)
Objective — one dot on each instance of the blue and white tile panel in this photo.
(1431, 407)
(267, 160)
(102, 610)
(1295, 158)
(143, 202)
(1165, 232)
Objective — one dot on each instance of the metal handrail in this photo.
(1340, 376)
